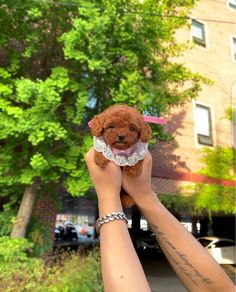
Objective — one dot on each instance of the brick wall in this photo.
(171, 186)
(214, 62)
(165, 186)
(45, 212)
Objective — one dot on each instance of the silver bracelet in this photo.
(108, 218)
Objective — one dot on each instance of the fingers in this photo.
(98, 174)
(89, 156)
(106, 181)
(146, 166)
(141, 186)
(146, 169)
(147, 163)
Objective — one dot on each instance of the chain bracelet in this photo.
(108, 218)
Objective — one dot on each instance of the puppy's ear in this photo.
(97, 125)
(145, 132)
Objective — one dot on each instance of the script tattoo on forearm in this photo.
(179, 259)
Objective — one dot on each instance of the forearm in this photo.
(116, 251)
(195, 267)
(121, 268)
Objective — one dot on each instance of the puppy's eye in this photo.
(110, 127)
(131, 128)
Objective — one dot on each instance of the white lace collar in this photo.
(138, 153)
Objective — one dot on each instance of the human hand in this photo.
(140, 188)
(107, 182)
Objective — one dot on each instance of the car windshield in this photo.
(204, 242)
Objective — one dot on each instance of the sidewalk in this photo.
(161, 276)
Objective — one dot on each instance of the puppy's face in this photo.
(120, 132)
(121, 127)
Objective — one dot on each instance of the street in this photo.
(161, 276)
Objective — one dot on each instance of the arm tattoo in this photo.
(179, 259)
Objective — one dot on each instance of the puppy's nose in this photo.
(121, 137)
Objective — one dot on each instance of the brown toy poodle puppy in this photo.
(121, 127)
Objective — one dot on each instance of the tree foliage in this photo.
(63, 62)
(39, 135)
(124, 50)
(37, 139)
(219, 164)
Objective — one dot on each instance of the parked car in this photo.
(70, 232)
(67, 233)
(59, 233)
(144, 240)
(222, 249)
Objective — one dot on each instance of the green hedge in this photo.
(72, 273)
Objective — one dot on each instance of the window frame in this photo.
(233, 53)
(201, 139)
(199, 42)
(231, 5)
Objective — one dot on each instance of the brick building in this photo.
(201, 122)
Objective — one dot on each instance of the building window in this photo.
(204, 129)
(198, 33)
(232, 4)
(234, 49)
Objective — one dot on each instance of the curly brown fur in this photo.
(121, 127)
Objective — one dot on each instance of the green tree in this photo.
(125, 51)
(64, 62)
(40, 142)
(218, 164)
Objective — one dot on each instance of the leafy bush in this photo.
(21, 272)
(15, 264)
(78, 274)
(6, 221)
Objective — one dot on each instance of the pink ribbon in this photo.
(155, 120)
(90, 124)
(148, 119)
